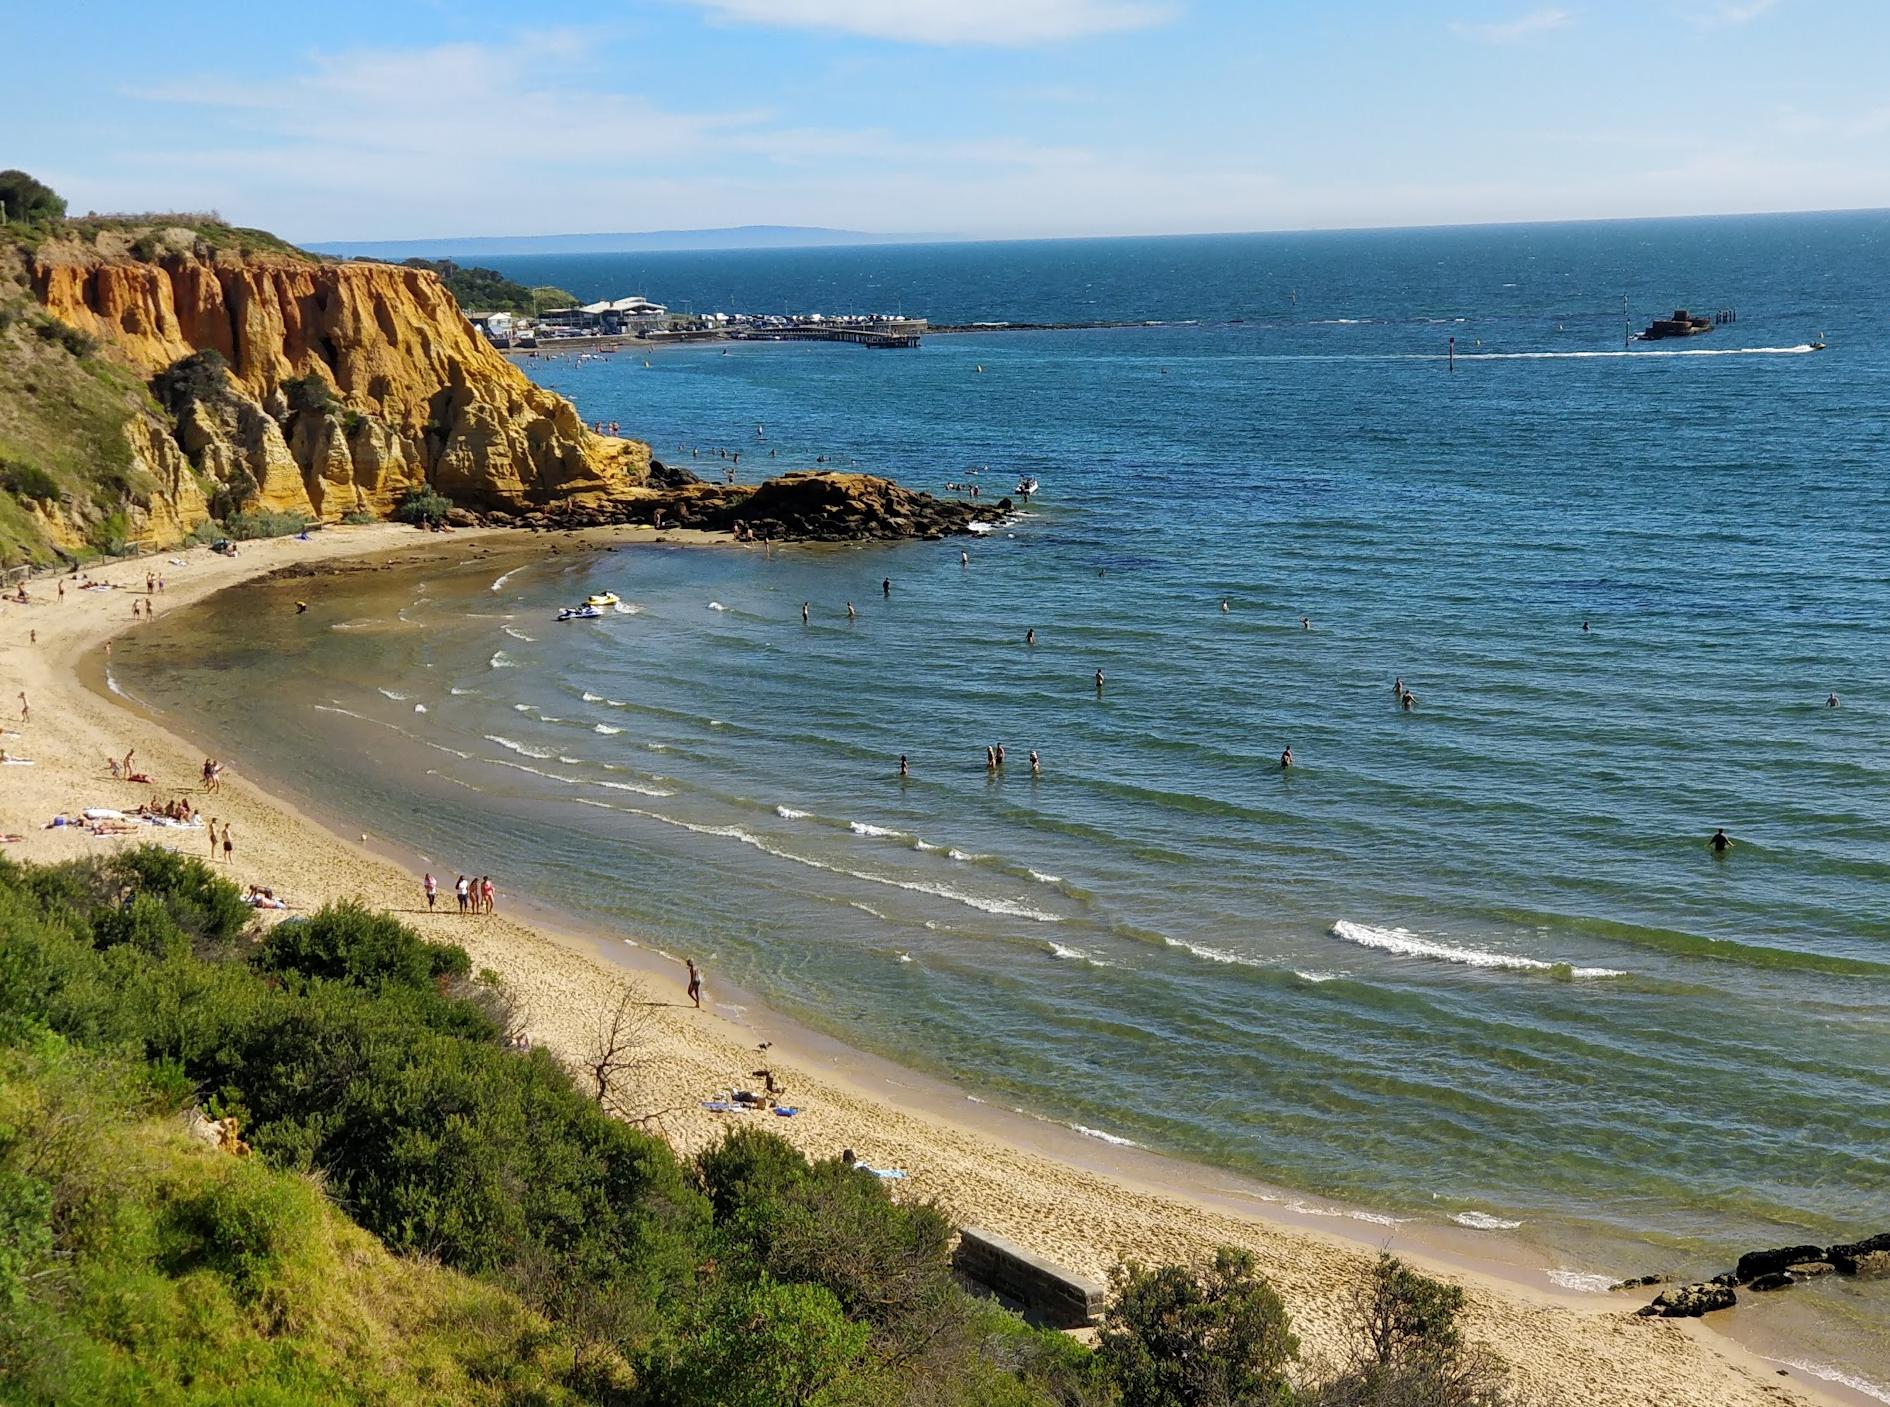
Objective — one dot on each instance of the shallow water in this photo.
(1473, 959)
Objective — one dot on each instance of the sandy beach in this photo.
(1083, 1206)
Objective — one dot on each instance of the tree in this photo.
(1412, 1353)
(24, 200)
(620, 1044)
(1220, 1338)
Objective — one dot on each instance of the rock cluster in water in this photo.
(1774, 1269)
(813, 506)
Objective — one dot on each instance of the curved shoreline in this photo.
(1078, 1200)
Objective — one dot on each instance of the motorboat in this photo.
(585, 612)
(601, 598)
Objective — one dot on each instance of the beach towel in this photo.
(102, 813)
(19, 762)
(722, 1106)
(781, 1113)
(889, 1174)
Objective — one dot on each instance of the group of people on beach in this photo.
(476, 895)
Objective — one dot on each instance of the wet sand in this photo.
(1081, 1202)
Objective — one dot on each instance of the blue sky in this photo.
(419, 118)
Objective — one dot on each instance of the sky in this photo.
(397, 119)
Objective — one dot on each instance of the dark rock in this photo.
(461, 518)
(1775, 1280)
(1638, 1281)
(1756, 1263)
(1726, 1277)
(1690, 1301)
(1811, 1269)
(671, 476)
(1871, 1265)
(1845, 1256)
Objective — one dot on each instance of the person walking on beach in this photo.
(486, 893)
(1721, 842)
(432, 887)
(229, 845)
(695, 983)
(26, 709)
(213, 837)
(459, 890)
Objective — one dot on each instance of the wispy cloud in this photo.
(1514, 31)
(995, 22)
(1731, 14)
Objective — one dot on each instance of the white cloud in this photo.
(999, 22)
(1733, 13)
(1516, 30)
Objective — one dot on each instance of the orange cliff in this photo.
(339, 386)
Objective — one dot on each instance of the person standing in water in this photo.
(1223, 605)
(1099, 681)
(1030, 636)
(885, 588)
(695, 983)
(964, 559)
(851, 613)
(990, 759)
(1286, 759)
(1036, 766)
(904, 771)
(1831, 702)
(998, 753)
(803, 613)
(1721, 842)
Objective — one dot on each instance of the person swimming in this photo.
(1286, 758)
(1721, 842)
(1831, 702)
(1223, 605)
(1409, 700)
(1030, 636)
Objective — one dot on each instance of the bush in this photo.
(1412, 1353)
(261, 523)
(349, 943)
(201, 376)
(422, 507)
(27, 201)
(1217, 1339)
(357, 517)
(762, 1345)
(308, 395)
(28, 481)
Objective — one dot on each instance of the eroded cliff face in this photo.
(333, 388)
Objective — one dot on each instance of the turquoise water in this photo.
(1471, 959)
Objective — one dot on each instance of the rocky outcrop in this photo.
(320, 388)
(814, 506)
(1850, 1256)
(1690, 1301)
(1753, 1264)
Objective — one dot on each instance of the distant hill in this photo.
(738, 237)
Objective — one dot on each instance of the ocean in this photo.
(1472, 960)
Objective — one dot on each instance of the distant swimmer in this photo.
(1036, 765)
(981, 368)
(1286, 758)
(990, 759)
(1721, 842)
(851, 613)
(1831, 702)
(803, 613)
(1030, 636)
(1409, 700)
(998, 753)
(1584, 627)
(904, 770)
(1397, 687)
(964, 559)
(1223, 605)
(1099, 681)
(885, 588)
(1304, 623)
(301, 607)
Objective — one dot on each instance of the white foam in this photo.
(571, 761)
(507, 577)
(518, 634)
(500, 661)
(861, 828)
(393, 694)
(1114, 1138)
(419, 708)
(1483, 1221)
(1213, 954)
(925, 845)
(1042, 878)
(459, 692)
(1406, 944)
(1057, 950)
(717, 606)
(1862, 1386)
(589, 697)
(1378, 1218)
(963, 857)
(580, 782)
(1313, 977)
(865, 908)
(788, 813)
(623, 609)
(524, 708)
(605, 729)
(518, 747)
(1584, 1281)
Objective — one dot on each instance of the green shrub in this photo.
(245, 1225)
(201, 376)
(28, 481)
(1221, 1338)
(422, 507)
(760, 1345)
(1412, 1352)
(261, 523)
(348, 942)
(308, 395)
(357, 517)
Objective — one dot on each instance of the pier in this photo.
(888, 335)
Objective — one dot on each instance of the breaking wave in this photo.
(1406, 944)
(1483, 1221)
(518, 747)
